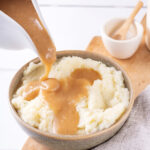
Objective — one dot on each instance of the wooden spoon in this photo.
(120, 34)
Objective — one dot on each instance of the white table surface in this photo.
(72, 24)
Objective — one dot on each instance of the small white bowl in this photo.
(121, 49)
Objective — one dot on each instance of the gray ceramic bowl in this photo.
(72, 142)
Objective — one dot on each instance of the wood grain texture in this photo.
(31, 144)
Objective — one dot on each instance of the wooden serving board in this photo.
(137, 67)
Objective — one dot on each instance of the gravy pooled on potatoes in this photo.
(86, 96)
(62, 96)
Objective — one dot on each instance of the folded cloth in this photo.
(135, 134)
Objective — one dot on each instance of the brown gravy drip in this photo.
(23, 12)
(62, 97)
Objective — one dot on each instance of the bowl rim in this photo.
(138, 25)
(72, 137)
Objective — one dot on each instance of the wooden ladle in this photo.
(120, 34)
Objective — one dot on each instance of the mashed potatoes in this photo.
(106, 102)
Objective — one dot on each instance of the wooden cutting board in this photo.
(137, 67)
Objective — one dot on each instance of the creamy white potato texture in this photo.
(107, 98)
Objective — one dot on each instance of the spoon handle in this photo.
(124, 29)
(135, 11)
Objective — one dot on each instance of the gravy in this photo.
(62, 97)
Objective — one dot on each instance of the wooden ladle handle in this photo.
(122, 31)
(133, 14)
